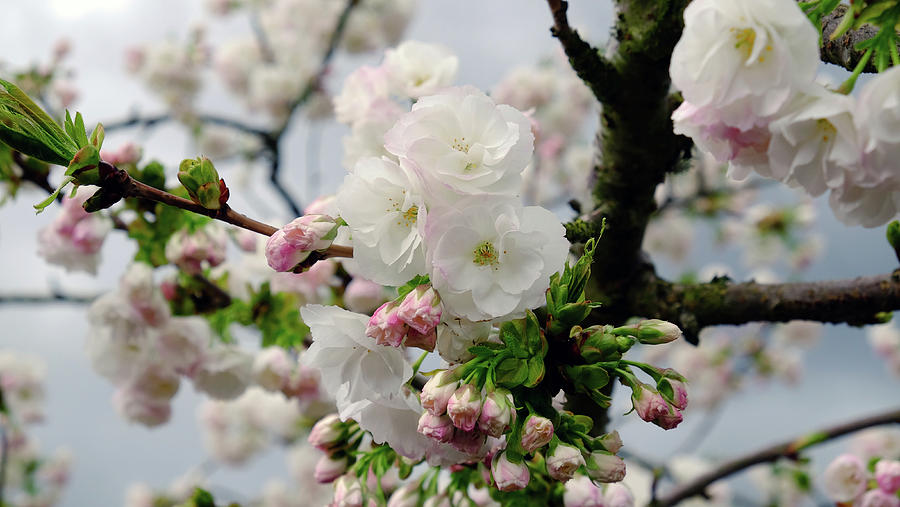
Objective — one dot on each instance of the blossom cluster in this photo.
(75, 237)
(753, 102)
(848, 480)
(136, 343)
(885, 341)
(31, 478)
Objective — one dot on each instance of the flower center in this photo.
(485, 254)
(460, 144)
(826, 129)
(743, 40)
(409, 216)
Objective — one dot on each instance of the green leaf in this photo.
(83, 166)
(511, 372)
(97, 136)
(26, 128)
(39, 207)
(535, 372)
(409, 286)
(511, 336)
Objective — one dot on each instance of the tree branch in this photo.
(692, 307)
(119, 182)
(789, 449)
(596, 72)
(842, 51)
(48, 298)
(135, 120)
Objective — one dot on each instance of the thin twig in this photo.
(788, 449)
(45, 298)
(150, 121)
(592, 68)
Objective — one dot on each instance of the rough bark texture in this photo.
(841, 51)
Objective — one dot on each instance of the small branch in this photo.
(119, 182)
(48, 298)
(149, 121)
(593, 69)
(789, 449)
(842, 51)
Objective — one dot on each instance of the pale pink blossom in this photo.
(437, 391)
(509, 476)
(878, 498)
(563, 462)
(363, 295)
(887, 474)
(293, 243)
(421, 309)
(438, 427)
(605, 467)
(464, 407)
(329, 468)
(537, 433)
(386, 327)
(845, 478)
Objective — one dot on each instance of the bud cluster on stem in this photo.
(338, 440)
(409, 320)
(663, 405)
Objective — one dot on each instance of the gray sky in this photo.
(843, 378)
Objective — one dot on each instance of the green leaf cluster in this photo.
(517, 361)
(153, 230)
(275, 314)
(566, 303)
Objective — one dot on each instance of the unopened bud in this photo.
(329, 468)
(386, 327)
(292, 244)
(498, 413)
(202, 182)
(421, 309)
(563, 462)
(328, 433)
(537, 433)
(653, 331)
(611, 441)
(605, 467)
(507, 475)
(438, 427)
(437, 391)
(464, 407)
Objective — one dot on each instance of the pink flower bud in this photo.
(509, 476)
(421, 309)
(464, 407)
(582, 492)
(438, 427)
(421, 341)
(563, 462)
(247, 240)
(327, 434)
(605, 467)
(437, 391)
(303, 383)
(611, 441)
(386, 327)
(362, 295)
(845, 478)
(679, 396)
(348, 492)
(406, 496)
(497, 413)
(468, 442)
(293, 243)
(329, 468)
(878, 498)
(652, 407)
(537, 433)
(887, 474)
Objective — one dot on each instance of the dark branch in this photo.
(596, 72)
(26, 299)
(842, 51)
(856, 301)
(789, 449)
(150, 121)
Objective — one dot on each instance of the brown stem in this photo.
(788, 449)
(120, 182)
(593, 69)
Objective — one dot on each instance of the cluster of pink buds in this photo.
(293, 243)
(333, 437)
(410, 320)
(461, 415)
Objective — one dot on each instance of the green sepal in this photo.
(83, 166)
(511, 372)
(97, 136)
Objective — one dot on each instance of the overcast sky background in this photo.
(844, 379)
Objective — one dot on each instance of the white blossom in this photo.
(386, 215)
(743, 58)
(417, 69)
(492, 261)
(462, 143)
(225, 373)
